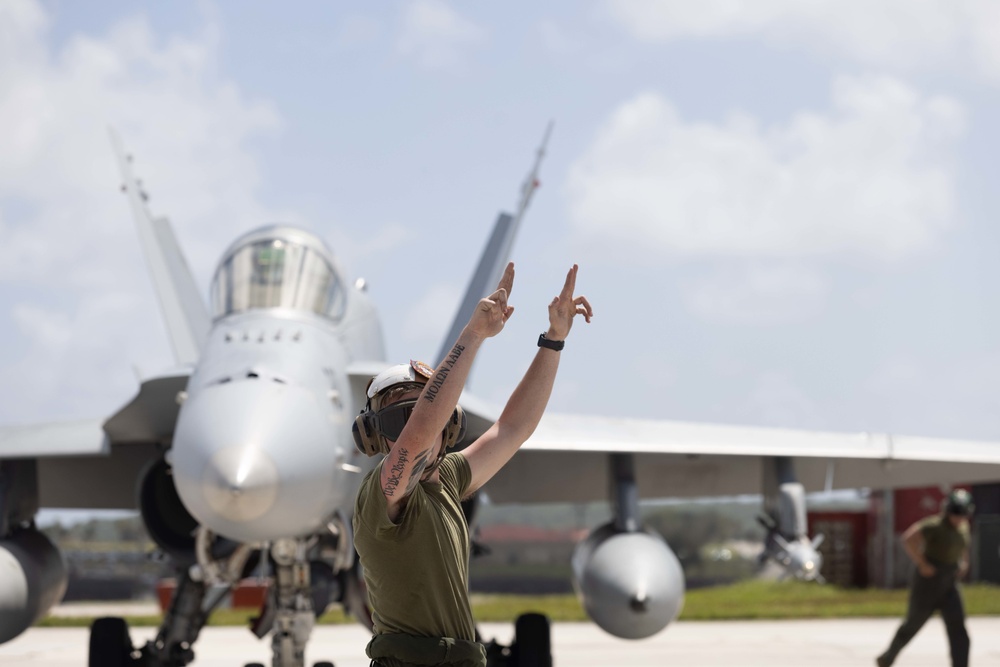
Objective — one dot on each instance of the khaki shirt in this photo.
(417, 570)
(944, 544)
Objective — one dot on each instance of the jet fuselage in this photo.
(262, 447)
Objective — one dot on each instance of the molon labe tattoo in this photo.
(442, 373)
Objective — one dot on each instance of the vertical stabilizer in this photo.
(182, 306)
(496, 254)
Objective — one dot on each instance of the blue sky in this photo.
(784, 213)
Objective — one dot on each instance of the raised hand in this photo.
(565, 307)
(493, 312)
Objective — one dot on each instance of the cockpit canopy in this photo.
(278, 267)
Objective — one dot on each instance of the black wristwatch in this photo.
(556, 345)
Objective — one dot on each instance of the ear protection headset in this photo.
(958, 502)
(369, 425)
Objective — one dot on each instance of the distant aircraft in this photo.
(787, 542)
(241, 458)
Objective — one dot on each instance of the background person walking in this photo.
(939, 545)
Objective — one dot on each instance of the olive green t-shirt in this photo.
(944, 544)
(417, 570)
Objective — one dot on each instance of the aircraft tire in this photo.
(532, 642)
(323, 664)
(110, 644)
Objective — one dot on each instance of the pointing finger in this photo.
(507, 279)
(570, 285)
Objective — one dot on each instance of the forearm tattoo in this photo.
(442, 373)
(396, 472)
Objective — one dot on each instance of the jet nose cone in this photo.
(240, 483)
(255, 460)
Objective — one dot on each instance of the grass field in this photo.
(745, 600)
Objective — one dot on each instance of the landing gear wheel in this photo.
(323, 664)
(110, 644)
(532, 645)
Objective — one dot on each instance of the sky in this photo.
(784, 212)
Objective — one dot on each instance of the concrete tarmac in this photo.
(811, 643)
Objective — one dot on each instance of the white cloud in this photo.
(776, 400)
(84, 359)
(66, 230)
(428, 318)
(891, 33)
(163, 98)
(435, 35)
(872, 176)
(381, 241)
(954, 395)
(758, 294)
(21, 21)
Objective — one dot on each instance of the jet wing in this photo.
(95, 463)
(150, 416)
(567, 457)
(77, 464)
(72, 438)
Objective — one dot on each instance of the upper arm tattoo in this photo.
(419, 464)
(396, 472)
(391, 485)
(442, 373)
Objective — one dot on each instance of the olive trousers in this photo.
(927, 595)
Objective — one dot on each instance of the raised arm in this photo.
(417, 445)
(524, 409)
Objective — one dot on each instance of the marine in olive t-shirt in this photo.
(417, 570)
(944, 543)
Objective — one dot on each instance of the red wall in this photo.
(914, 504)
(858, 522)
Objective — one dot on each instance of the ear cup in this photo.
(356, 432)
(366, 436)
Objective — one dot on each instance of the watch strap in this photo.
(556, 345)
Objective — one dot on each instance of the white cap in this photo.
(415, 371)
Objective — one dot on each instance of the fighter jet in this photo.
(241, 457)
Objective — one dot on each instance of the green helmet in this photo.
(958, 502)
